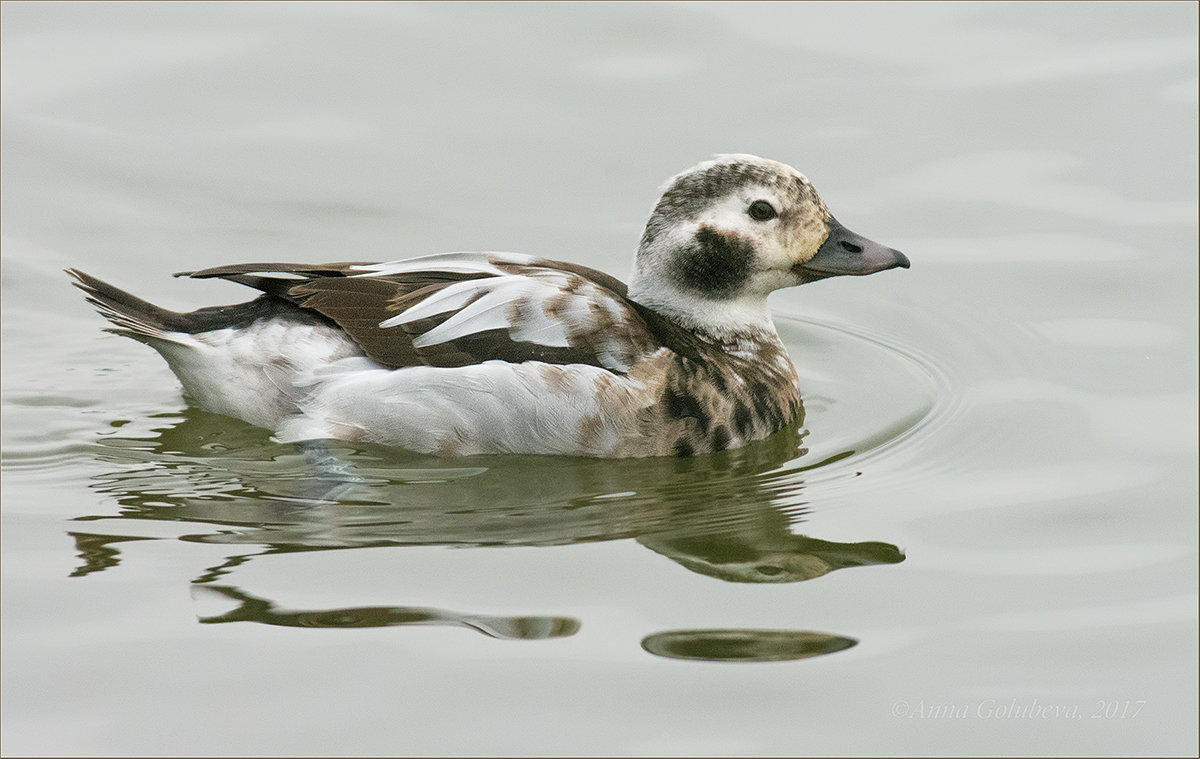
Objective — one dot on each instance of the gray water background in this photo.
(1016, 413)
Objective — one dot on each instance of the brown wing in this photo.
(356, 304)
(460, 309)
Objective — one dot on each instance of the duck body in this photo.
(474, 353)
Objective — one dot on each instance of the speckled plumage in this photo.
(466, 353)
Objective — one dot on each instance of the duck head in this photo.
(728, 232)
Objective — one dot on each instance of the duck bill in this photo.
(849, 253)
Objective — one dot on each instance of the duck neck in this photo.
(735, 324)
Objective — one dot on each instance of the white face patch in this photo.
(773, 245)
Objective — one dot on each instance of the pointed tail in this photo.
(132, 316)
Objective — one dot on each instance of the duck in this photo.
(457, 354)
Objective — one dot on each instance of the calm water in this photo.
(981, 538)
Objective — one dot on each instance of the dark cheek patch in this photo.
(716, 264)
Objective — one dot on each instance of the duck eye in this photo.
(761, 210)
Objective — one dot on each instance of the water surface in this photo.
(980, 538)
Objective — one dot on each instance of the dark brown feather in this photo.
(358, 304)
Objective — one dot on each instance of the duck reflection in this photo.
(759, 555)
(253, 609)
(729, 516)
(744, 645)
(97, 551)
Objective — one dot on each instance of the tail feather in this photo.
(132, 316)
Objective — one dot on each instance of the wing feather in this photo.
(456, 297)
(455, 309)
(460, 263)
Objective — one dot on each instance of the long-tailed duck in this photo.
(466, 353)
